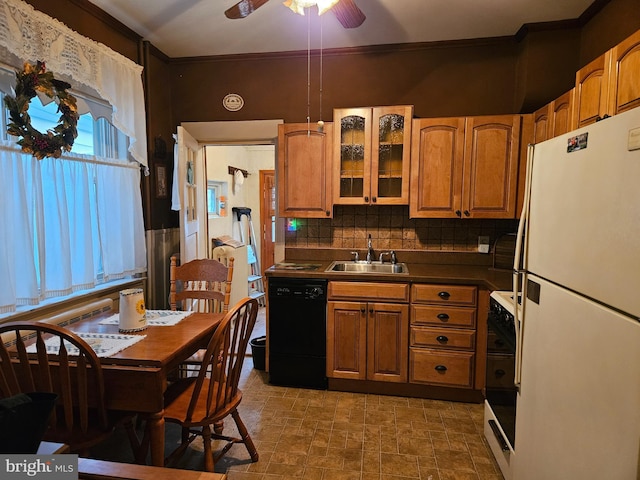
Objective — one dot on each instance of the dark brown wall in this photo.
(616, 21)
(546, 67)
(438, 80)
(160, 125)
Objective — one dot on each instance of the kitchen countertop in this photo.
(481, 275)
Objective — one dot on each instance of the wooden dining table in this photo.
(136, 378)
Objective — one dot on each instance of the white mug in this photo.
(132, 316)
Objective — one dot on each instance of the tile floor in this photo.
(320, 435)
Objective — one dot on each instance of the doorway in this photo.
(267, 217)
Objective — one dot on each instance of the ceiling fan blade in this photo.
(243, 8)
(348, 14)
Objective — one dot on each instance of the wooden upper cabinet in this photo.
(371, 155)
(591, 92)
(492, 146)
(553, 119)
(304, 171)
(542, 124)
(624, 75)
(465, 168)
(560, 114)
(437, 160)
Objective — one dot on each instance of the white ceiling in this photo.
(190, 28)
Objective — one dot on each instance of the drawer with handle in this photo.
(439, 367)
(443, 316)
(444, 294)
(443, 337)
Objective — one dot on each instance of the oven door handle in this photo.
(498, 434)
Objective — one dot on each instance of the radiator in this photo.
(161, 244)
(71, 316)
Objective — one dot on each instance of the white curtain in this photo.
(30, 35)
(53, 222)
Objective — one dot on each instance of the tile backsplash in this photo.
(391, 228)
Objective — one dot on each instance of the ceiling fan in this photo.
(346, 11)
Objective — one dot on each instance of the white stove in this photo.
(505, 299)
(500, 390)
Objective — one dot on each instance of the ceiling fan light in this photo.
(324, 5)
(298, 6)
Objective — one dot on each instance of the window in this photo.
(216, 198)
(75, 222)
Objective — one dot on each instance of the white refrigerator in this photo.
(578, 334)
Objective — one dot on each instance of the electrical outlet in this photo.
(483, 244)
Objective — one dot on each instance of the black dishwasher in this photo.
(297, 332)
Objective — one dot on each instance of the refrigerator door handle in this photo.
(519, 267)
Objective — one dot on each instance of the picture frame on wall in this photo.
(161, 181)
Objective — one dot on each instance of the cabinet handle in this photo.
(458, 213)
(363, 310)
(371, 310)
(441, 368)
(500, 373)
(499, 343)
(327, 213)
(366, 199)
(374, 199)
(443, 316)
(444, 295)
(442, 339)
(466, 213)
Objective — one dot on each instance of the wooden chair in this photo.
(202, 285)
(196, 403)
(80, 418)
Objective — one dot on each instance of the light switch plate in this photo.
(483, 244)
(634, 139)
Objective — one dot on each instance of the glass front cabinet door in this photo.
(372, 153)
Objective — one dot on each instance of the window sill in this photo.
(56, 305)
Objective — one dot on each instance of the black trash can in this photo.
(258, 352)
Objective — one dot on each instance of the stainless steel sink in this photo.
(347, 266)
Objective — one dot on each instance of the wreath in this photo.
(31, 80)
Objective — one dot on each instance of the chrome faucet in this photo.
(382, 254)
(394, 259)
(370, 252)
(356, 257)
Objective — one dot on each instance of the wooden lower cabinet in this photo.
(440, 367)
(367, 341)
(443, 335)
(419, 340)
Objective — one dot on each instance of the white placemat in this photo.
(158, 318)
(104, 344)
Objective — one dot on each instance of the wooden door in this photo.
(491, 166)
(591, 92)
(304, 171)
(391, 154)
(192, 183)
(624, 75)
(267, 217)
(347, 340)
(352, 156)
(561, 114)
(541, 124)
(388, 342)
(437, 155)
